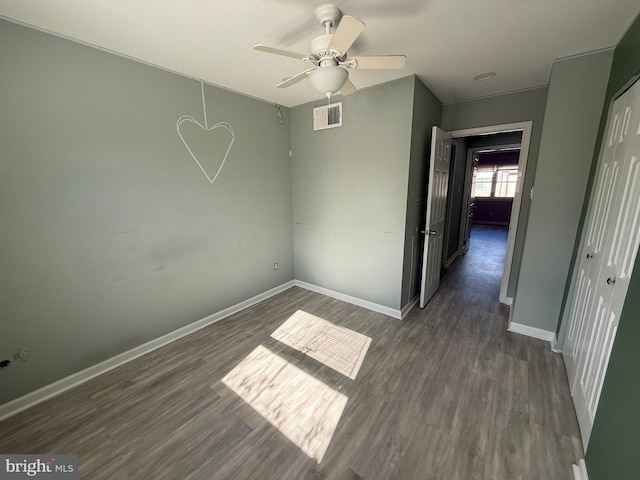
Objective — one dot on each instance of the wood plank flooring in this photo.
(445, 394)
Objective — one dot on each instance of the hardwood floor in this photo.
(445, 394)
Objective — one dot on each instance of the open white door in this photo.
(436, 213)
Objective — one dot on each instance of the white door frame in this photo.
(525, 128)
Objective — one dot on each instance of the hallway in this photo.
(481, 268)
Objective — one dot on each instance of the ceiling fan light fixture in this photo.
(328, 80)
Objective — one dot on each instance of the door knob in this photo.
(429, 232)
(589, 256)
(611, 280)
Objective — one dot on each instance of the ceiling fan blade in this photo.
(295, 79)
(379, 61)
(277, 51)
(348, 30)
(348, 88)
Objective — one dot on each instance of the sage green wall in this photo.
(427, 112)
(508, 108)
(576, 96)
(613, 446)
(111, 235)
(350, 193)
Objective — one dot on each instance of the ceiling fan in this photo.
(329, 54)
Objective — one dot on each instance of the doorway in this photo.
(461, 192)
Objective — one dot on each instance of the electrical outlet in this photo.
(275, 266)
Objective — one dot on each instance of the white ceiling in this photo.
(447, 42)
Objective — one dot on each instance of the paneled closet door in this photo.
(610, 245)
(597, 224)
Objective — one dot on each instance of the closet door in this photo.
(597, 224)
(610, 245)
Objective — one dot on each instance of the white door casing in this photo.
(435, 214)
(609, 247)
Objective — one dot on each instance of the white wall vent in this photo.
(327, 116)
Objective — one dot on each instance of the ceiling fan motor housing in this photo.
(321, 55)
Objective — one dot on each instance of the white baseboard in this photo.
(506, 300)
(349, 299)
(11, 408)
(532, 332)
(580, 471)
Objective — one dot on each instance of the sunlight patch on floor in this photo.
(301, 407)
(337, 347)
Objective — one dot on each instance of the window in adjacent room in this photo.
(495, 181)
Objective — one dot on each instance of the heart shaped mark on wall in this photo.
(212, 144)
